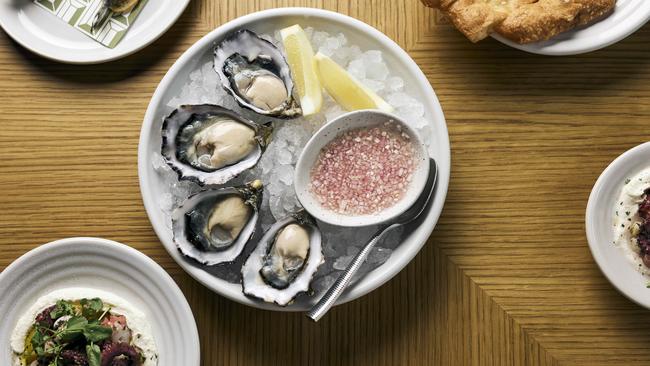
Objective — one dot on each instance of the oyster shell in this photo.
(210, 144)
(283, 264)
(213, 226)
(257, 75)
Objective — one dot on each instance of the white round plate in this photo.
(268, 21)
(45, 34)
(109, 266)
(599, 222)
(628, 16)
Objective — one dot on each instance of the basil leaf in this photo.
(94, 355)
(96, 333)
(73, 329)
(62, 308)
(92, 308)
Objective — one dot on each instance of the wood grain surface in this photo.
(507, 277)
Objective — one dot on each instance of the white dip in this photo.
(136, 320)
(627, 220)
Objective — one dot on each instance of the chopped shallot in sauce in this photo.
(364, 171)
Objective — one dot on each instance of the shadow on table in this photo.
(370, 330)
(113, 71)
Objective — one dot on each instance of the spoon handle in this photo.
(101, 17)
(330, 297)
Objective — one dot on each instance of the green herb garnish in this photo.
(96, 332)
(94, 355)
(84, 324)
(72, 330)
(62, 308)
(38, 342)
(92, 309)
(56, 361)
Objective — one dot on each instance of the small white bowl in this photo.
(102, 265)
(346, 122)
(599, 222)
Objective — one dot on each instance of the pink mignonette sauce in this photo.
(364, 171)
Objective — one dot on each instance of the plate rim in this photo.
(363, 287)
(586, 45)
(116, 53)
(593, 239)
(159, 273)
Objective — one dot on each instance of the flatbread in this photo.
(522, 21)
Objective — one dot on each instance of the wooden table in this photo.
(507, 277)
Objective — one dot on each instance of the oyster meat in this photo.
(287, 256)
(257, 75)
(213, 226)
(285, 260)
(210, 144)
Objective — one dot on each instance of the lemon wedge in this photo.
(300, 57)
(345, 89)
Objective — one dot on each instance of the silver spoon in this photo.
(334, 292)
(108, 8)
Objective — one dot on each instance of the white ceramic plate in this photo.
(628, 16)
(600, 221)
(266, 22)
(104, 265)
(49, 36)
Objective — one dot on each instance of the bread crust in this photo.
(522, 21)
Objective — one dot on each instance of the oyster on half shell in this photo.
(213, 226)
(210, 144)
(257, 75)
(285, 260)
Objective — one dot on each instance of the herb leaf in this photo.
(96, 333)
(73, 329)
(92, 309)
(38, 342)
(82, 327)
(94, 355)
(76, 323)
(62, 308)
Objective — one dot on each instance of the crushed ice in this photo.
(276, 167)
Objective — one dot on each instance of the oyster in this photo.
(213, 226)
(284, 261)
(257, 75)
(210, 144)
